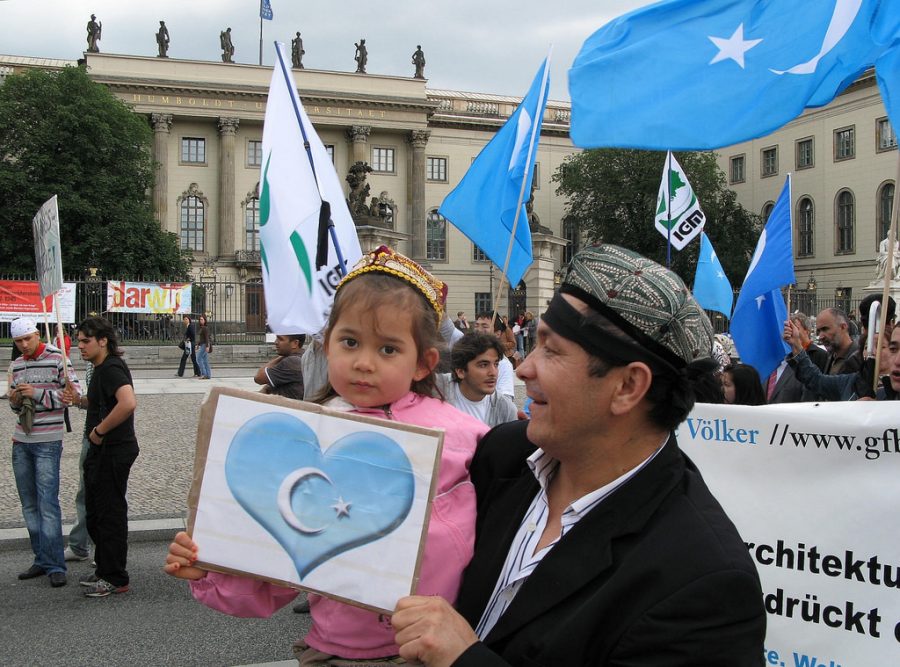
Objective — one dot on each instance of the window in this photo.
(885, 137)
(805, 228)
(570, 233)
(435, 236)
(770, 161)
(436, 169)
(329, 148)
(846, 214)
(737, 169)
(805, 153)
(251, 225)
(254, 153)
(192, 221)
(845, 143)
(383, 160)
(536, 178)
(885, 203)
(193, 150)
(767, 211)
(478, 254)
(482, 303)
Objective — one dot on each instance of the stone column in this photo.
(162, 123)
(418, 139)
(227, 129)
(359, 137)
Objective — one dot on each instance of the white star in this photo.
(342, 508)
(720, 275)
(759, 301)
(734, 47)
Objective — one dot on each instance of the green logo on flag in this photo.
(265, 209)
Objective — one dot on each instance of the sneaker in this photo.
(71, 555)
(103, 588)
(89, 580)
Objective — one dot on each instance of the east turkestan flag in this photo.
(293, 184)
(677, 207)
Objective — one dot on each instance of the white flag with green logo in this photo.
(677, 207)
(298, 296)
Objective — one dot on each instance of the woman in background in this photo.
(204, 348)
(742, 386)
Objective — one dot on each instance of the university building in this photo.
(843, 160)
(207, 121)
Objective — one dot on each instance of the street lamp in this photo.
(93, 285)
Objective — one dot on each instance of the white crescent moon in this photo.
(845, 12)
(284, 498)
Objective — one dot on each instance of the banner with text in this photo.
(813, 490)
(22, 298)
(126, 297)
(47, 247)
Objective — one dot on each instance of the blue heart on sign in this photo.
(318, 505)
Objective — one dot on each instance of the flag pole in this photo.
(888, 277)
(535, 129)
(260, 32)
(791, 220)
(325, 211)
(668, 178)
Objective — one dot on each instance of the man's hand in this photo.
(429, 630)
(20, 391)
(791, 335)
(181, 558)
(70, 396)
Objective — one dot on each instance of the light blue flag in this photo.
(265, 10)
(684, 74)
(759, 315)
(483, 205)
(712, 289)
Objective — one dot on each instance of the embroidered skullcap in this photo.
(391, 262)
(22, 326)
(648, 302)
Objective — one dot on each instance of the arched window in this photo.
(767, 211)
(885, 203)
(193, 217)
(805, 228)
(435, 236)
(251, 225)
(845, 220)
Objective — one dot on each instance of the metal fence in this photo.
(235, 311)
(806, 301)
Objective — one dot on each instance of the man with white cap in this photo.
(38, 379)
(597, 540)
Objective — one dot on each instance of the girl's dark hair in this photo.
(747, 385)
(373, 291)
(100, 327)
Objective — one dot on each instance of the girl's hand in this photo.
(181, 558)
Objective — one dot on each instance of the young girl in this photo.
(381, 345)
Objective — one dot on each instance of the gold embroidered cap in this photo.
(391, 262)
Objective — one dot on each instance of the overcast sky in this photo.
(485, 46)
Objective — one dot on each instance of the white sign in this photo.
(47, 247)
(813, 490)
(311, 498)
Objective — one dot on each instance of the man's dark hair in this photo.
(470, 346)
(100, 327)
(301, 338)
(866, 304)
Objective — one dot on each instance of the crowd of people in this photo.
(578, 534)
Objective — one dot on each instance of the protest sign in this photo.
(22, 298)
(307, 497)
(812, 489)
(127, 297)
(47, 248)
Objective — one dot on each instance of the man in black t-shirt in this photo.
(109, 427)
(283, 375)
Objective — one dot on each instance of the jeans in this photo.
(184, 358)
(203, 361)
(36, 468)
(106, 470)
(520, 344)
(79, 540)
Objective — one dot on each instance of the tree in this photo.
(612, 199)
(63, 134)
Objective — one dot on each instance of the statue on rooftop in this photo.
(162, 40)
(297, 52)
(361, 57)
(418, 59)
(227, 46)
(94, 30)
